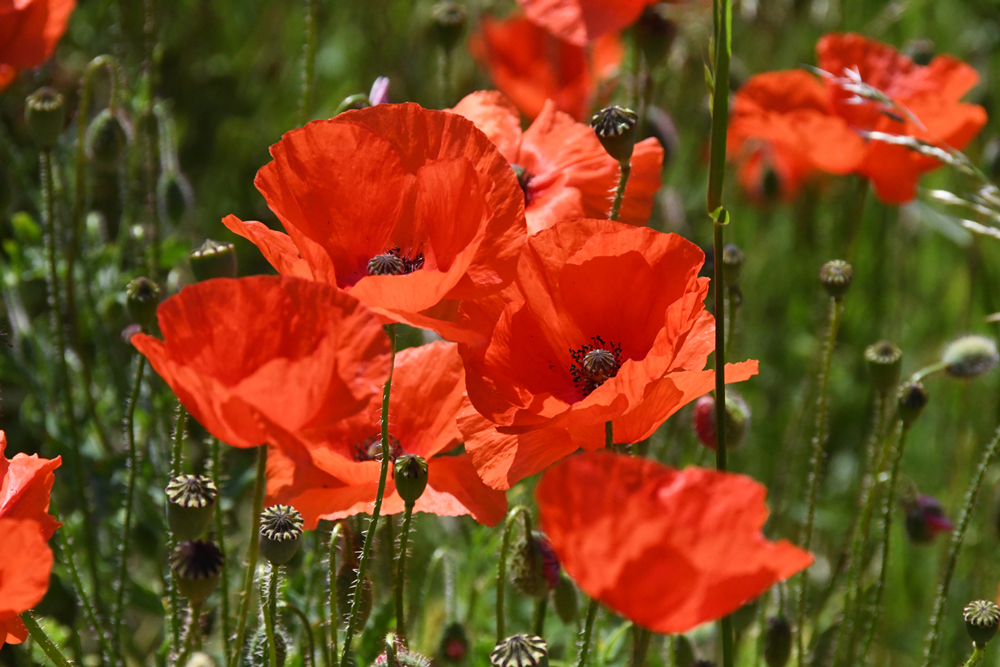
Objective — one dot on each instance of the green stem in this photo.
(220, 540)
(401, 572)
(352, 620)
(957, 538)
(332, 650)
(816, 464)
(928, 370)
(723, 20)
(588, 630)
(69, 557)
(640, 646)
(538, 624)
(258, 507)
(502, 564)
(194, 627)
(616, 206)
(609, 436)
(48, 646)
(309, 62)
(177, 458)
(976, 657)
(304, 620)
(176, 468)
(270, 612)
(133, 464)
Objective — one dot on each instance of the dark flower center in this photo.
(524, 180)
(371, 448)
(393, 262)
(594, 363)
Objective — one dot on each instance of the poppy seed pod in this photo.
(777, 641)
(280, 533)
(213, 259)
(912, 399)
(191, 505)
(732, 264)
(521, 651)
(45, 114)
(196, 566)
(347, 578)
(107, 138)
(737, 419)
(142, 296)
(885, 363)
(565, 601)
(535, 567)
(836, 276)
(615, 128)
(174, 196)
(654, 33)
(449, 23)
(981, 620)
(410, 475)
(970, 356)
(454, 644)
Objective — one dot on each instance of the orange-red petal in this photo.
(26, 486)
(31, 29)
(25, 565)
(582, 21)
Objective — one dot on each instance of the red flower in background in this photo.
(410, 210)
(582, 21)
(565, 173)
(605, 322)
(667, 549)
(339, 476)
(533, 66)
(268, 359)
(29, 33)
(25, 527)
(801, 124)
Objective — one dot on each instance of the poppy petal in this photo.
(25, 565)
(278, 249)
(26, 487)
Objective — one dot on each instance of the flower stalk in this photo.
(48, 646)
(221, 542)
(331, 650)
(401, 572)
(502, 565)
(271, 611)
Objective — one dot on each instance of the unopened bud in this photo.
(925, 518)
(142, 296)
(654, 33)
(912, 399)
(732, 264)
(564, 599)
(521, 651)
(213, 259)
(615, 128)
(45, 114)
(885, 363)
(836, 276)
(535, 568)
(107, 138)
(970, 356)
(449, 23)
(191, 505)
(777, 641)
(410, 475)
(280, 533)
(454, 643)
(981, 620)
(196, 566)
(737, 420)
(174, 196)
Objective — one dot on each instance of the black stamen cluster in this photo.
(584, 379)
(371, 448)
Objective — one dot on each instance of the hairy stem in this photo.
(309, 62)
(401, 572)
(616, 205)
(331, 650)
(48, 646)
(270, 612)
(502, 564)
(220, 540)
(588, 630)
(538, 623)
(258, 506)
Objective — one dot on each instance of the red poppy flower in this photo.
(582, 21)
(533, 66)
(667, 549)
(804, 125)
(410, 210)
(338, 477)
(25, 527)
(608, 324)
(565, 172)
(29, 33)
(269, 358)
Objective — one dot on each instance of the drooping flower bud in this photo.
(454, 644)
(521, 651)
(191, 503)
(912, 399)
(280, 533)
(534, 568)
(615, 128)
(836, 276)
(732, 264)
(410, 475)
(655, 33)
(925, 518)
(196, 566)
(885, 363)
(737, 419)
(981, 620)
(213, 259)
(777, 641)
(564, 599)
(970, 356)
(347, 579)
(174, 196)
(449, 19)
(142, 296)
(108, 136)
(45, 114)
(260, 652)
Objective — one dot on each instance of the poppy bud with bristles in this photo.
(913, 398)
(280, 533)
(615, 129)
(174, 196)
(885, 363)
(981, 620)
(191, 503)
(925, 518)
(654, 33)
(449, 23)
(196, 566)
(836, 276)
(454, 644)
(45, 114)
(777, 641)
(564, 599)
(521, 651)
(535, 568)
(213, 259)
(737, 419)
(410, 474)
(107, 138)
(142, 296)
(970, 356)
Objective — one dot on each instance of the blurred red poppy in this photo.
(533, 66)
(408, 209)
(582, 21)
(667, 549)
(604, 322)
(339, 476)
(563, 170)
(25, 527)
(803, 125)
(29, 33)
(268, 359)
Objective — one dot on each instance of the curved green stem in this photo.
(304, 620)
(258, 507)
(502, 564)
(976, 657)
(928, 370)
(220, 540)
(957, 538)
(47, 645)
(373, 524)
(616, 205)
(270, 612)
(401, 572)
(588, 630)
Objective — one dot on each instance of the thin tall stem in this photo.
(588, 630)
(177, 458)
(48, 646)
(401, 572)
(176, 467)
(502, 564)
(69, 557)
(304, 620)
(270, 611)
(373, 524)
(334, 534)
(538, 624)
(258, 507)
(220, 540)
(309, 62)
(133, 464)
(191, 636)
(616, 205)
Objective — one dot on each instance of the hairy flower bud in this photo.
(777, 641)
(925, 518)
(410, 475)
(534, 569)
(912, 399)
(142, 296)
(970, 356)
(454, 644)
(174, 196)
(191, 503)
(655, 33)
(564, 600)
(885, 363)
(449, 19)
(107, 138)
(213, 259)
(196, 566)
(280, 533)
(45, 114)
(521, 651)
(615, 128)
(836, 276)
(981, 620)
(737, 419)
